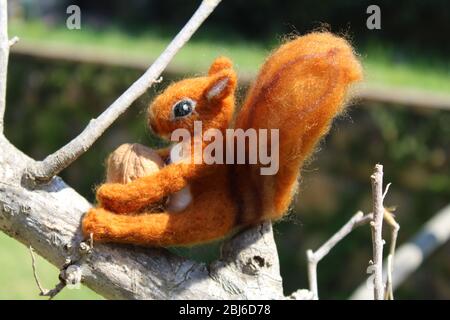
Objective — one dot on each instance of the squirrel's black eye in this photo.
(183, 108)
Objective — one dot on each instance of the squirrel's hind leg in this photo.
(194, 225)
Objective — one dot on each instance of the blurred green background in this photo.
(50, 100)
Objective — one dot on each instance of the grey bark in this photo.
(377, 234)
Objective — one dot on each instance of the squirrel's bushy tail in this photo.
(301, 87)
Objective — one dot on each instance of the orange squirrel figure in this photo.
(301, 87)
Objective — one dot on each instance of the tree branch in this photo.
(395, 227)
(43, 171)
(4, 54)
(13, 41)
(48, 219)
(42, 291)
(377, 226)
(409, 256)
(315, 257)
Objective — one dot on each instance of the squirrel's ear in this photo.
(221, 63)
(221, 85)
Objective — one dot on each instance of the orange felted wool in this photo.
(301, 87)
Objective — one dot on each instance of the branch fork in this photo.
(43, 171)
(375, 220)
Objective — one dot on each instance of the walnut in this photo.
(131, 161)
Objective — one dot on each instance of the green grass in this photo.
(16, 276)
(384, 65)
(406, 68)
(194, 57)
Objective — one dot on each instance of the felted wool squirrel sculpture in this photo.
(300, 88)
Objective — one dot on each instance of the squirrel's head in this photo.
(208, 99)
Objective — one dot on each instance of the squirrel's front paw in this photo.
(112, 196)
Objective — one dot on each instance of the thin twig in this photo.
(33, 265)
(395, 227)
(13, 41)
(388, 291)
(42, 291)
(314, 257)
(377, 226)
(386, 190)
(43, 171)
(4, 54)
(91, 240)
(53, 292)
(312, 274)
